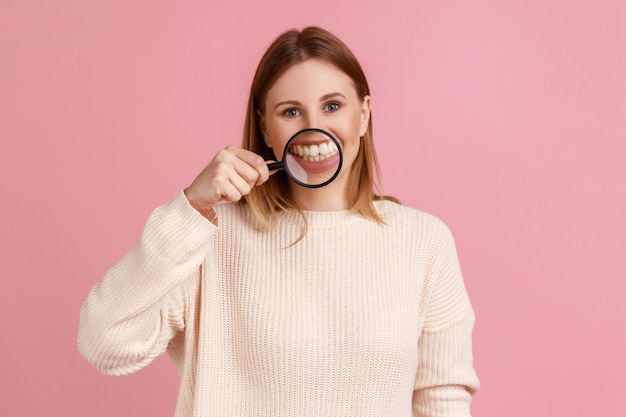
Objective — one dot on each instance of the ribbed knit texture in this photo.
(356, 319)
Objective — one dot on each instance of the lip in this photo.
(329, 164)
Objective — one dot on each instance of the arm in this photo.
(130, 316)
(446, 380)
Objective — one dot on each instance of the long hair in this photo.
(290, 48)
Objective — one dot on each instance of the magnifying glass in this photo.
(312, 158)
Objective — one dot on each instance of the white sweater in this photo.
(357, 319)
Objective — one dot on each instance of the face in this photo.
(315, 94)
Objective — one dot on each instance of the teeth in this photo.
(314, 152)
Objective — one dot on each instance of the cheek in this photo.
(352, 134)
(276, 140)
(350, 147)
(279, 150)
(278, 156)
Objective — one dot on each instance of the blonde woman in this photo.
(274, 299)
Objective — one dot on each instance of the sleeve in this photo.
(446, 379)
(130, 316)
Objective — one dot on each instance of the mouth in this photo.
(314, 152)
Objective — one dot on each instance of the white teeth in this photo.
(315, 152)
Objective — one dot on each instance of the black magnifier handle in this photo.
(275, 165)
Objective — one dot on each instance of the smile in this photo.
(314, 152)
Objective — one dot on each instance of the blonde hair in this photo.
(290, 48)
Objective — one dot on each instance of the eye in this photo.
(291, 112)
(331, 107)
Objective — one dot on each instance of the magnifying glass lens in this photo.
(312, 158)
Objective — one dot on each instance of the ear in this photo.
(263, 127)
(366, 107)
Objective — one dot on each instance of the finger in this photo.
(249, 157)
(224, 190)
(253, 160)
(247, 172)
(242, 186)
(229, 184)
(267, 163)
(215, 183)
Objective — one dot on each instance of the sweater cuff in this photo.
(446, 379)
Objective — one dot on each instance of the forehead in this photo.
(311, 79)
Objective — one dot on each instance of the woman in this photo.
(293, 301)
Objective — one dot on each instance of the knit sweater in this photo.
(356, 319)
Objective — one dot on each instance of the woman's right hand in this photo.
(228, 177)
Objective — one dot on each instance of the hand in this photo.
(229, 176)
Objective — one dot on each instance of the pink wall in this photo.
(505, 118)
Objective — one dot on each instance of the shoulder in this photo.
(420, 230)
(398, 214)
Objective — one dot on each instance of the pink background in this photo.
(504, 118)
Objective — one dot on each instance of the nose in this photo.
(313, 120)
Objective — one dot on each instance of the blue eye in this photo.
(293, 112)
(332, 107)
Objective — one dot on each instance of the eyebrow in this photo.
(323, 98)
